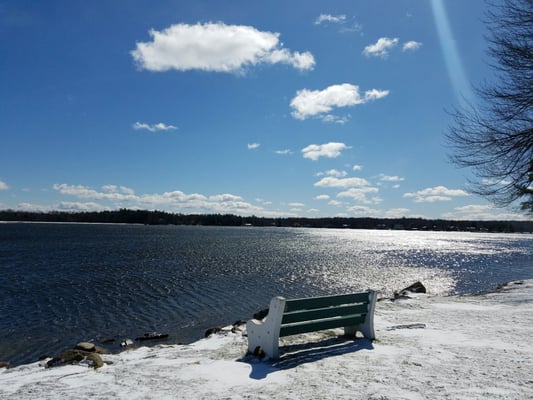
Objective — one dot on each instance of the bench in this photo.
(354, 312)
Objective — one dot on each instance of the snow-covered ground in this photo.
(459, 347)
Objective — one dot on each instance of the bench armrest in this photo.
(265, 334)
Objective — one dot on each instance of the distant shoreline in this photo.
(146, 217)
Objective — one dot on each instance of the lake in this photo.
(65, 283)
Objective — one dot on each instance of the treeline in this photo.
(126, 216)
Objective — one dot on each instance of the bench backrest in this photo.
(326, 312)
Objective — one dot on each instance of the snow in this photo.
(457, 347)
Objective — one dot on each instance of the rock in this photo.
(86, 346)
(416, 287)
(91, 348)
(126, 342)
(259, 352)
(4, 364)
(212, 331)
(96, 360)
(101, 350)
(74, 356)
(261, 314)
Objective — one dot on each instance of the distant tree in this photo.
(495, 137)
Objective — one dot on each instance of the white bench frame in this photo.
(288, 317)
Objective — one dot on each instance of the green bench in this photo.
(353, 311)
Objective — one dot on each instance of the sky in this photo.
(275, 109)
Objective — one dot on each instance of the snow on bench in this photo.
(354, 312)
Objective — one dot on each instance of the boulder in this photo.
(91, 348)
(261, 314)
(212, 331)
(74, 356)
(86, 346)
(416, 287)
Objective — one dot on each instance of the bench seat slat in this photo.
(322, 313)
(325, 301)
(320, 325)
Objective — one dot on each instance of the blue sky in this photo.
(279, 108)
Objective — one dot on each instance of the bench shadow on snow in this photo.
(294, 355)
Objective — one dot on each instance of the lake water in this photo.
(65, 283)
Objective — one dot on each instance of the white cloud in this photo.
(225, 197)
(283, 152)
(438, 193)
(309, 103)
(154, 127)
(335, 119)
(263, 201)
(364, 211)
(360, 194)
(390, 178)
(118, 189)
(112, 197)
(215, 47)
(381, 48)
(322, 197)
(478, 212)
(3, 186)
(252, 146)
(296, 204)
(333, 172)
(336, 19)
(67, 206)
(329, 150)
(396, 212)
(333, 182)
(336, 203)
(411, 46)
(357, 168)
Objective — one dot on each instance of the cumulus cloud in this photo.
(154, 127)
(252, 146)
(390, 178)
(381, 48)
(360, 194)
(364, 211)
(328, 150)
(357, 167)
(283, 152)
(333, 172)
(335, 203)
(215, 47)
(3, 186)
(115, 196)
(335, 19)
(333, 182)
(67, 206)
(309, 103)
(411, 46)
(396, 212)
(297, 204)
(474, 212)
(336, 119)
(438, 193)
(322, 197)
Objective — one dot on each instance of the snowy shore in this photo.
(458, 347)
